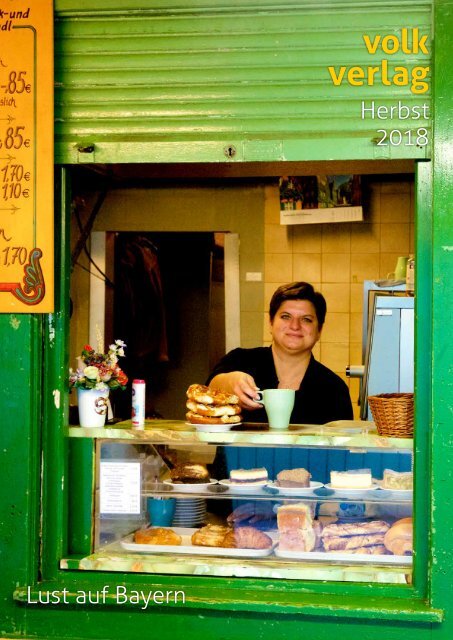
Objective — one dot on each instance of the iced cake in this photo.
(353, 479)
(249, 476)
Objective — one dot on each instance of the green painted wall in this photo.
(31, 415)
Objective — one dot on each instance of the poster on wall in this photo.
(316, 199)
(26, 157)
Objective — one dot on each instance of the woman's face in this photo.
(295, 326)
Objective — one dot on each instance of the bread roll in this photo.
(205, 395)
(399, 538)
(196, 418)
(213, 410)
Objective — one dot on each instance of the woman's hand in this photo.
(241, 384)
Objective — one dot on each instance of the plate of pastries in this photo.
(211, 410)
(211, 539)
(298, 536)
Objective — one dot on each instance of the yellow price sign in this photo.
(26, 157)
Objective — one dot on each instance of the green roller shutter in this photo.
(203, 81)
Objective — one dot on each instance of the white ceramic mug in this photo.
(279, 404)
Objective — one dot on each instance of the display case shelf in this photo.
(344, 434)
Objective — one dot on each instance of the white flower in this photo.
(120, 343)
(92, 373)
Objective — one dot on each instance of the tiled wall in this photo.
(336, 259)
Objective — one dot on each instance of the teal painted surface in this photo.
(183, 81)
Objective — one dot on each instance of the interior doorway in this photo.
(168, 305)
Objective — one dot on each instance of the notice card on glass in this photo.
(120, 487)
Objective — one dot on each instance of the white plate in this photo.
(244, 487)
(190, 488)
(347, 558)
(189, 549)
(214, 428)
(351, 493)
(297, 491)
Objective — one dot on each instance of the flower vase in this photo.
(92, 407)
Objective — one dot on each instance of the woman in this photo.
(296, 314)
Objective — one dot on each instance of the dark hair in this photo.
(299, 291)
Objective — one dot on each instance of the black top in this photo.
(322, 396)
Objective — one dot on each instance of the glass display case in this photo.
(330, 502)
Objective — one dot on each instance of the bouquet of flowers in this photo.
(98, 370)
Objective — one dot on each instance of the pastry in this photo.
(213, 410)
(205, 395)
(296, 527)
(209, 406)
(346, 543)
(196, 418)
(212, 535)
(353, 479)
(247, 538)
(297, 540)
(354, 535)
(297, 515)
(158, 535)
(293, 478)
(397, 480)
(189, 473)
(248, 476)
(373, 550)
(398, 539)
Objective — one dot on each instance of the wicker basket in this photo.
(393, 414)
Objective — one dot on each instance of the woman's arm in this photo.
(241, 384)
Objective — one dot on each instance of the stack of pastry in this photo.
(356, 537)
(208, 406)
(297, 531)
(240, 538)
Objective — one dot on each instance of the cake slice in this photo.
(400, 480)
(293, 478)
(249, 476)
(189, 473)
(353, 479)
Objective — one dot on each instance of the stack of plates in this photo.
(189, 512)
